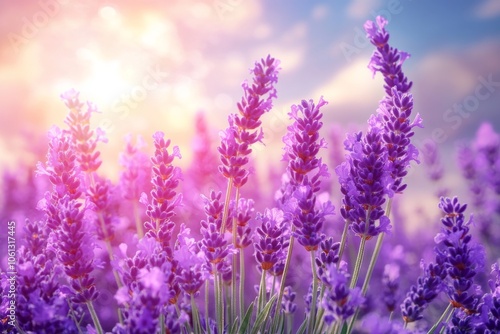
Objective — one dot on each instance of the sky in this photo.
(153, 65)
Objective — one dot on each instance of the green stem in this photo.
(219, 307)
(262, 292)
(196, 316)
(226, 205)
(441, 318)
(138, 223)
(242, 283)
(95, 318)
(312, 314)
(376, 252)
(343, 241)
(289, 323)
(207, 297)
(235, 263)
(73, 316)
(161, 320)
(285, 272)
(447, 320)
(359, 262)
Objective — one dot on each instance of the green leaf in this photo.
(234, 327)
(344, 329)
(263, 315)
(246, 320)
(302, 327)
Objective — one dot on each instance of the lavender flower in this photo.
(65, 216)
(134, 179)
(365, 182)
(428, 286)
(164, 199)
(390, 281)
(490, 314)
(242, 131)
(83, 138)
(462, 258)
(269, 249)
(41, 304)
(304, 173)
(149, 287)
(396, 107)
(213, 243)
(339, 302)
(287, 305)
(190, 259)
(329, 253)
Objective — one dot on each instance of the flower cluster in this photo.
(304, 173)
(65, 215)
(243, 127)
(340, 302)
(395, 109)
(462, 258)
(365, 182)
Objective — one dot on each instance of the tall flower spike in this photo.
(83, 137)
(165, 178)
(395, 109)
(304, 173)
(463, 259)
(65, 216)
(244, 127)
(428, 286)
(365, 182)
(41, 307)
(340, 301)
(271, 242)
(302, 145)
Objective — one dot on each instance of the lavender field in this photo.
(379, 227)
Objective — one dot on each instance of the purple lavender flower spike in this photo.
(304, 173)
(390, 281)
(83, 137)
(165, 178)
(302, 144)
(213, 244)
(190, 263)
(396, 107)
(490, 314)
(365, 182)
(463, 259)
(40, 304)
(287, 305)
(428, 286)
(329, 253)
(269, 249)
(243, 216)
(244, 127)
(136, 175)
(339, 302)
(65, 216)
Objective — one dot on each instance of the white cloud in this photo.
(361, 8)
(319, 12)
(353, 86)
(488, 9)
